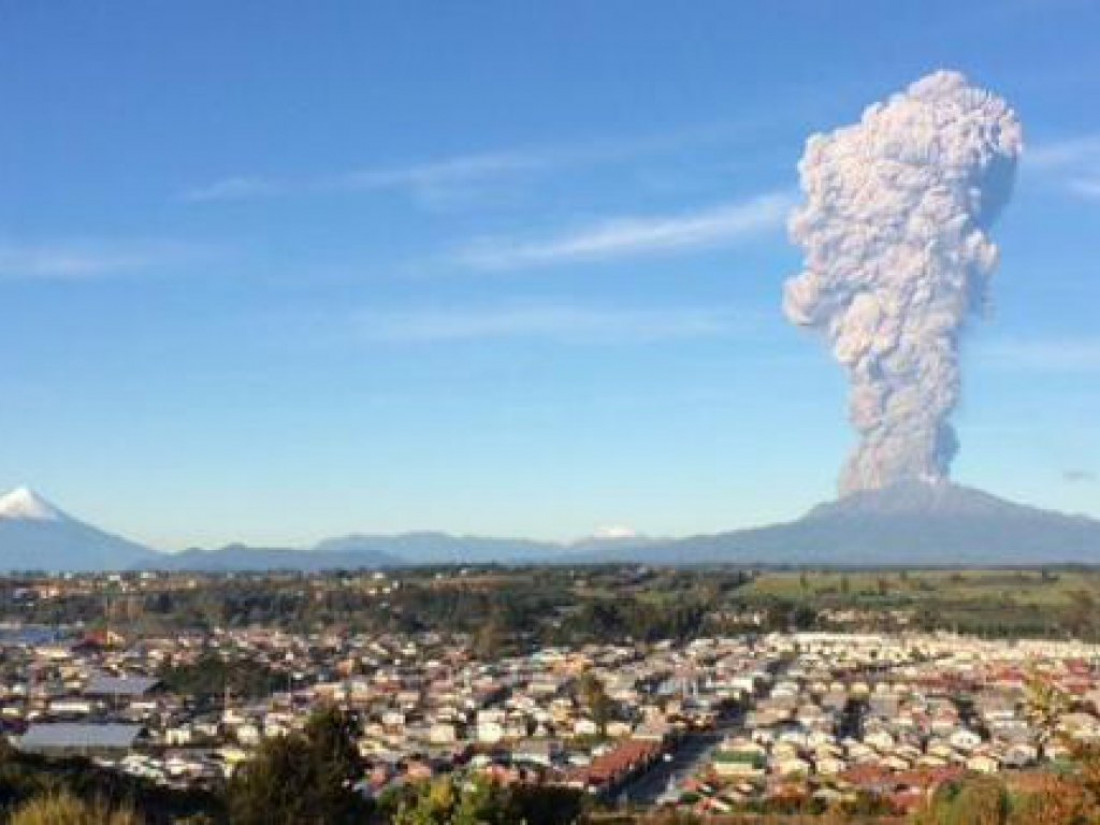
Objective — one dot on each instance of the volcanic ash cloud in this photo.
(897, 257)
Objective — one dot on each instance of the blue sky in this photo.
(273, 271)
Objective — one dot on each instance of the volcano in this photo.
(36, 535)
(912, 523)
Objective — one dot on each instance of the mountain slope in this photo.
(35, 535)
(240, 558)
(909, 524)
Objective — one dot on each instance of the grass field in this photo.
(1002, 602)
(1022, 587)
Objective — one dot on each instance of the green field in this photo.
(1026, 587)
(1054, 602)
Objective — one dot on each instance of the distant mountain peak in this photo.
(24, 504)
(615, 532)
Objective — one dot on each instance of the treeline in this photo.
(513, 608)
(507, 607)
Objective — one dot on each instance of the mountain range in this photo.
(913, 524)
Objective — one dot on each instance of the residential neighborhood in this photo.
(707, 724)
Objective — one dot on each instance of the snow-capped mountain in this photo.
(36, 535)
(24, 503)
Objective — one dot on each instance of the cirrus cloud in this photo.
(715, 226)
(1073, 163)
(89, 259)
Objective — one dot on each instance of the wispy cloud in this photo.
(236, 188)
(446, 183)
(557, 322)
(445, 179)
(450, 171)
(1087, 187)
(1062, 153)
(715, 226)
(1074, 163)
(89, 259)
(433, 181)
(1079, 476)
(1058, 355)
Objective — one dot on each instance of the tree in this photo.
(1058, 801)
(804, 617)
(302, 779)
(483, 802)
(545, 804)
(979, 800)
(1081, 614)
(480, 801)
(594, 696)
(490, 639)
(431, 802)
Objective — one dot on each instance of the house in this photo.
(490, 732)
(828, 765)
(983, 763)
(585, 727)
(178, 735)
(443, 733)
(248, 734)
(792, 766)
(80, 739)
(122, 687)
(71, 707)
(537, 751)
(964, 739)
(880, 740)
(1020, 755)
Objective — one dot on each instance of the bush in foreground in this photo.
(65, 809)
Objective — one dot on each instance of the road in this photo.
(693, 751)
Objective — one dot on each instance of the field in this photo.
(1046, 602)
(1025, 587)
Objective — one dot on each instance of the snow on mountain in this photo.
(35, 535)
(24, 503)
(614, 532)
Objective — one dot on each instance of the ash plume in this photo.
(897, 258)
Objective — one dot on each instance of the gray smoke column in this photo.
(897, 259)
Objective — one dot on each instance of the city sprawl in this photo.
(739, 711)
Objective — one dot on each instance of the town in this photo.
(764, 719)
